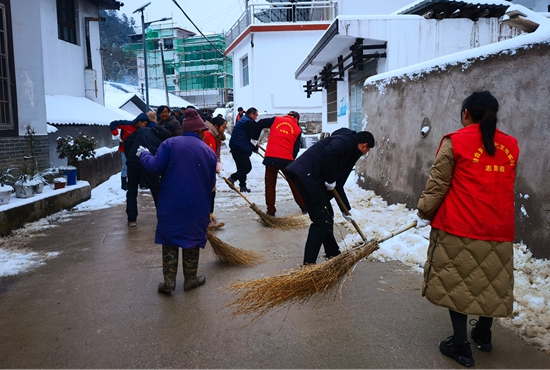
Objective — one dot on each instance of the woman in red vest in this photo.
(469, 200)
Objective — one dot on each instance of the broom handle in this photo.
(280, 172)
(234, 188)
(396, 232)
(343, 206)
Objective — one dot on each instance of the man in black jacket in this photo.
(150, 138)
(320, 169)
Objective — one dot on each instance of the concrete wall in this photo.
(397, 169)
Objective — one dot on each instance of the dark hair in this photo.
(294, 114)
(160, 109)
(218, 121)
(240, 109)
(250, 111)
(483, 108)
(365, 137)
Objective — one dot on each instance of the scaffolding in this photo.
(189, 66)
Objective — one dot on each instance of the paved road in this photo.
(96, 306)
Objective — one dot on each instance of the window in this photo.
(244, 69)
(168, 44)
(332, 103)
(8, 120)
(66, 21)
(357, 78)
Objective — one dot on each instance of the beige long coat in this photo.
(473, 277)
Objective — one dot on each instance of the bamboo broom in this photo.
(231, 255)
(298, 285)
(285, 223)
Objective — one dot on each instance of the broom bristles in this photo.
(297, 285)
(231, 255)
(284, 223)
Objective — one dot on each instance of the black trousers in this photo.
(321, 230)
(244, 166)
(460, 325)
(135, 172)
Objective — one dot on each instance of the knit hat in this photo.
(192, 121)
(141, 117)
(365, 137)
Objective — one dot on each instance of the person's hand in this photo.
(347, 217)
(330, 186)
(140, 150)
(254, 142)
(420, 222)
(218, 167)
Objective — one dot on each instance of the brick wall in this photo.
(13, 149)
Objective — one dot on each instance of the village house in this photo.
(52, 76)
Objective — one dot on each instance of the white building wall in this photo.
(29, 76)
(64, 62)
(272, 62)
(412, 40)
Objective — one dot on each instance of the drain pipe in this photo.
(90, 77)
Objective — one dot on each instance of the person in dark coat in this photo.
(149, 137)
(165, 117)
(188, 169)
(323, 167)
(241, 149)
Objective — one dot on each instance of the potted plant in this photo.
(6, 190)
(28, 180)
(75, 149)
(59, 183)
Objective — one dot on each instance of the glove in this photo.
(420, 222)
(330, 186)
(347, 217)
(254, 142)
(140, 150)
(218, 167)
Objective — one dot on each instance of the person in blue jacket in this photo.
(187, 166)
(241, 149)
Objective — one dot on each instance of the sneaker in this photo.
(270, 214)
(214, 224)
(244, 189)
(132, 224)
(482, 339)
(461, 353)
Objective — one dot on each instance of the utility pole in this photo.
(161, 45)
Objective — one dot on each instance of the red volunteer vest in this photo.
(282, 136)
(480, 200)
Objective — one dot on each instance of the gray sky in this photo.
(209, 15)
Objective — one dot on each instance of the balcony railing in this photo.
(283, 12)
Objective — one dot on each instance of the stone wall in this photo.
(100, 169)
(398, 167)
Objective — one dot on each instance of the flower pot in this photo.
(24, 190)
(59, 182)
(39, 188)
(5, 194)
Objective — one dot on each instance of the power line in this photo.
(193, 23)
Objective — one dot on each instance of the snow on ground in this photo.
(374, 216)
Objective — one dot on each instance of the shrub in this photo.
(81, 147)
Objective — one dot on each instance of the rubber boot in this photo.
(190, 266)
(124, 183)
(169, 268)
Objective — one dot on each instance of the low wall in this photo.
(16, 215)
(395, 111)
(100, 169)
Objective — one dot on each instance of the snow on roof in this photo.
(68, 110)
(541, 35)
(118, 99)
(157, 97)
(472, 2)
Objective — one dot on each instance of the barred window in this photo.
(244, 69)
(7, 80)
(332, 103)
(66, 21)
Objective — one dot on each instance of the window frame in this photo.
(245, 79)
(10, 128)
(332, 102)
(65, 26)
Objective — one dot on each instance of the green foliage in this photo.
(6, 177)
(81, 147)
